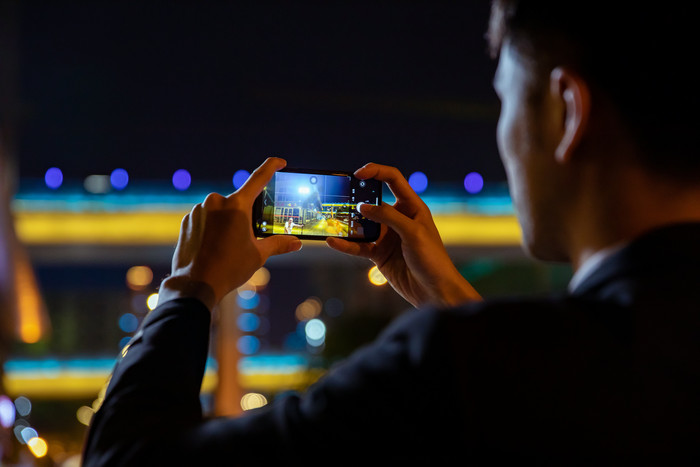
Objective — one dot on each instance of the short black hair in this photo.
(639, 54)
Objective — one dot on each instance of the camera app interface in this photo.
(310, 204)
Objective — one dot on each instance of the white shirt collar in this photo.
(592, 264)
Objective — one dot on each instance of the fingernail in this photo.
(295, 246)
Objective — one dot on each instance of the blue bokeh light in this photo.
(239, 178)
(53, 178)
(248, 345)
(315, 332)
(473, 183)
(28, 433)
(128, 322)
(418, 181)
(123, 342)
(248, 303)
(182, 179)
(248, 322)
(119, 179)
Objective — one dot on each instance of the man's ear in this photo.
(575, 95)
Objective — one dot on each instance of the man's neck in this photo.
(635, 203)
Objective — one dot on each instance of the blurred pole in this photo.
(227, 399)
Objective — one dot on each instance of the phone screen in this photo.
(313, 204)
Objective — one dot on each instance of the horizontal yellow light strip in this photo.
(162, 228)
(463, 229)
(60, 386)
(68, 384)
(272, 381)
(119, 228)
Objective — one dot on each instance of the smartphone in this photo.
(316, 204)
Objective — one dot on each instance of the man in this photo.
(603, 172)
(289, 226)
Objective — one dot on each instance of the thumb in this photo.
(278, 245)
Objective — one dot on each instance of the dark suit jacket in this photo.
(607, 375)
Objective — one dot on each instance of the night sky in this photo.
(214, 87)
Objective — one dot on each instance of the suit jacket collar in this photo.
(659, 256)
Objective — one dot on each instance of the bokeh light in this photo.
(253, 400)
(248, 303)
(128, 322)
(248, 322)
(138, 277)
(182, 179)
(239, 178)
(53, 178)
(28, 433)
(119, 178)
(418, 181)
(248, 345)
(473, 183)
(260, 278)
(246, 291)
(17, 430)
(308, 309)
(7, 412)
(152, 301)
(315, 332)
(376, 277)
(96, 184)
(123, 343)
(84, 415)
(23, 405)
(38, 446)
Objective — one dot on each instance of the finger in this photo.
(194, 217)
(363, 250)
(396, 182)
(387, 215)
(184, 229)
(260, 177)
(278, 244)
(213, 201)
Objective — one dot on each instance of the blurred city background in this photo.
(122, 115)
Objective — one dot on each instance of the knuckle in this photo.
(212, 200)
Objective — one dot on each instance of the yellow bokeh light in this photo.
(260, 278)
(84, 414)
(376, 277)
(253, 400)
(139, 277)
(308, 309)
(152, 301)
(38, 446)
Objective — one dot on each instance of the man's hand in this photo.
(409, 251)
(217, 250)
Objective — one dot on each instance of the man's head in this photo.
(579, 81)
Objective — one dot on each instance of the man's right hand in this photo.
(217, 250)
(409, 250)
